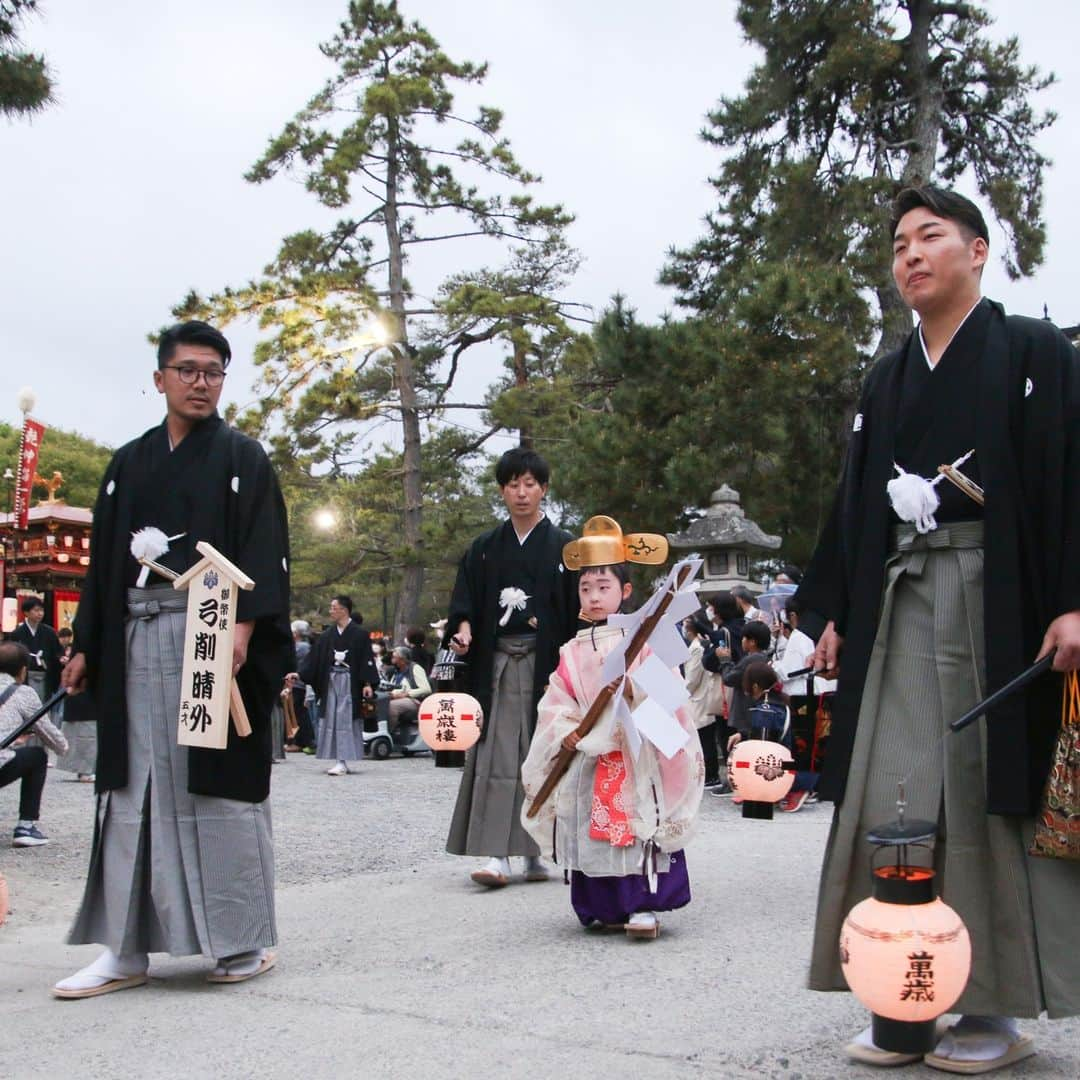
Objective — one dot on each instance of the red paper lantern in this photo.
(762, 772)
(905, 954)
(450, 721)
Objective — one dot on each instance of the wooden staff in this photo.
(236, 702)
(964, 483)
(590, 719)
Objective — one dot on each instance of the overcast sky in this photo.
(130, 190)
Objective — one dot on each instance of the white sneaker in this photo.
(337, 770)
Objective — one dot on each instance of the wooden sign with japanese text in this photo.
(206, 687)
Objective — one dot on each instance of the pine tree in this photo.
(853, 100)
(26, 86)
(377, 137)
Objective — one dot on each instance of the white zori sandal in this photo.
(643, 925)
(233, 969)
(980, 1044)
(105, 975)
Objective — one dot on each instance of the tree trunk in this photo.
(521, 376)
(924, 86)
(412, 580)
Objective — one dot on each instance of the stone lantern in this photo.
(727, 540)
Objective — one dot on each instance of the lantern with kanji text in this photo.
(450, 721)
(905, 954)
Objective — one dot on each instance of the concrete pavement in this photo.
(393, 964)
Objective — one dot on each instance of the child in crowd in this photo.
(18, 702)
(617, 823)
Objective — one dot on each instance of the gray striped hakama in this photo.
(170, 871)
(81, 757)
(487, 815)
(927, 668)
(341, 734)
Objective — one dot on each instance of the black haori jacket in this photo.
(476, 598)
(240, 512)
(1028, 451)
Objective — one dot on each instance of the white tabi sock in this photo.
(495, 865)
(106, 968)
(241, 964)
(978, 1038)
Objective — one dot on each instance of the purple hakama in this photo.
(614, 899)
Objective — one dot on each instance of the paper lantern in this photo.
(905, 954)
(762, 772)
(450, 721)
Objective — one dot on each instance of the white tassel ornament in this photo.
(149, 543)
(913, 497)
(513, 600)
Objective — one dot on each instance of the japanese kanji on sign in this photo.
(206, 689)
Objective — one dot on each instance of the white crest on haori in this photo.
(857, 426)
(27, 399)
(512, 600)
(1028, 387)
(110, 487)
(235, 483)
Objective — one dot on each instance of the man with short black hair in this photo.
(905, 571)
(182, 858)
(514, 604)
(43, 646)
(340, 668)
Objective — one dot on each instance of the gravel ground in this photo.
(393, 964)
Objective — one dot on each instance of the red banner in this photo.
(29, 447)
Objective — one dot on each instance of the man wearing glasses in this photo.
(182, 858)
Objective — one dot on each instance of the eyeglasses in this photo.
(189, 375)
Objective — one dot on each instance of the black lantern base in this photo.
(904, 1036)
(760, 811)
(449, 759)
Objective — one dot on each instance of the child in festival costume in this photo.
(616, 822)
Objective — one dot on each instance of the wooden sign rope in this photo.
(596, 710)
(236, 703)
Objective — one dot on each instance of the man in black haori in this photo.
(340, 668)
(908, 593)
(513, 605)
(182, 857)
(42, 644)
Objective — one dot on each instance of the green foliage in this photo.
(81, 460)
(661, 415)
(854, 99)
(26, 87)
(363, 552)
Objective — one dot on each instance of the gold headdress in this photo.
(602, 543)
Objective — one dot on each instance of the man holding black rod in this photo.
(906, 572)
